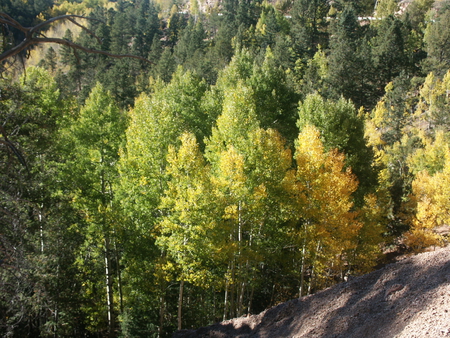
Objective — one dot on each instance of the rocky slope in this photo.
(406, 299)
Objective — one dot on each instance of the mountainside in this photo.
(409, 298)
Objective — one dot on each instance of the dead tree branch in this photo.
(32, 39)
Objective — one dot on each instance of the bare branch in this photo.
(30, 40)
(15, 50)
(6, 19)
(57, 18)
(86, 29)
(33, 41)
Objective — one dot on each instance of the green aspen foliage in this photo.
(341, 127)
(434, 102)
(156, 122)
(93, 140)
(188, 232)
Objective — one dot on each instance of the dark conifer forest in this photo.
(167, 164)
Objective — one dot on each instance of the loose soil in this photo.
(406, 299)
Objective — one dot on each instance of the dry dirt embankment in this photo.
(406, 299)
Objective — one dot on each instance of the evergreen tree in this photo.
(166, 66)
(50, 61)
(40, 289)
(71, 80)
(350, 60)
(190, 42)
(436, 38)
(390, 52)
(308, 26)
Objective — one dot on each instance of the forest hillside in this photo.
(409, 298)
(167, 165)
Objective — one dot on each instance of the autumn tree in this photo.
(248, 165)
(155, 123)
(389, 134)
(434, 102)
(189, 234)
(324, 224)
(429, 163)
(428, 199)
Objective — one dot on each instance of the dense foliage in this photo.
(268, 151)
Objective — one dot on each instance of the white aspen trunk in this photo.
(180, 304)
(239, 290)
(232, 291)
(239, 227)
(302, 270)
(250, 299)
(161, 313)
(313, 268)
(41, 229)
(108, 276)
(109, 290)
(225, 302)
(119, 277)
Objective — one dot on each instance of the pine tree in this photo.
(436, 38)
(39, 243)
(308, 28)
(349, 60)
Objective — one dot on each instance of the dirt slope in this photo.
(406, 299)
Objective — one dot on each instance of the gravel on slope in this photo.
(406, 299)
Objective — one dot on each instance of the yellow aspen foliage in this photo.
(370, 236)
(321, 191)
(231, 167)
(187, 233)
(432, 156)
(432, 206)
(373, 132)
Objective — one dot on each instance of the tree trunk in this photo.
(225, 302)
(109, 289)
(302, 270)
(108, 270)
(119, 276)
(161, 313)
(180, 304)
(313, 268)
(250, 299)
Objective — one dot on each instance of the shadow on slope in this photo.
(379, 304)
